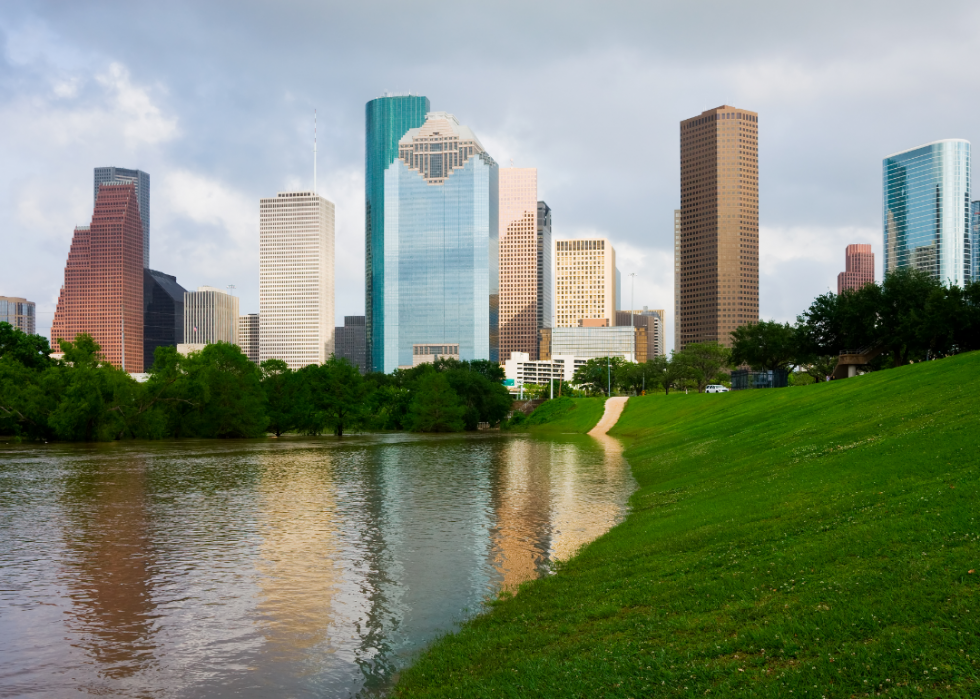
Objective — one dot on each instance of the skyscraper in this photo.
(585, 281)
(926, 210)
(440, 280)
(296, 278)
(975, 241)
(519, 277)
(546, 285)
(139, 179)
(210, 315)
(859, 268)
(163, 313)
(19, 312)
(248, 336)
(349, 342)
(719, 241)
(103, 290)
(387, 119)
(677, 280)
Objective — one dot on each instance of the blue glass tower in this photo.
(441, 269)
(975, 241)
(387, 119)
(926, 210)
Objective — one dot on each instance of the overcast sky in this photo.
(215, 100)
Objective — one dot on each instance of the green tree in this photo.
(340, 396)
(282, 394)
(665, 372)
(31, 351)
(702, 362)
(766, 345)
(435, 406)
(596, 375)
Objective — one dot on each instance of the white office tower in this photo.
(296, 278)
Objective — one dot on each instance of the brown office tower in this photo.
(719, 242)
(103, 290)
(518, 221)
(860, 266)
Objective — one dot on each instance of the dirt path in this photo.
(614, 408)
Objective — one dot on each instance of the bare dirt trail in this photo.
(614, 408)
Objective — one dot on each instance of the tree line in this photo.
(908, 317)
(218, 392)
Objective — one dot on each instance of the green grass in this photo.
(565, 415)
(800, 542)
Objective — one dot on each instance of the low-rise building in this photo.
(521, 370)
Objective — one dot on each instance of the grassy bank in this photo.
(565, 415)
(821, 541)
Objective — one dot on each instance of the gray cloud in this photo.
(215, 100)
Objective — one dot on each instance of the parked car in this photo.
(716, 388)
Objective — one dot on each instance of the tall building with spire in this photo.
(102, 294)
(719, 227)
(140, 180)
(296, 279)
(387, 119)
(440, 280)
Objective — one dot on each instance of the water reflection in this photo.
(301, 567)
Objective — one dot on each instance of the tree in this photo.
(340, 394)
(596, 375)
(665, 372)
(435, 407)
(702, 361)
(282, 394)
(766, 345)
(902, 313)
(31, 351)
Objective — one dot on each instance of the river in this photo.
(285, 568)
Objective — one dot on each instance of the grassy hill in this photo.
(820, 541)
(565, 415)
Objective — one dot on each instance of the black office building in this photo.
(350, 342)
(163, 313)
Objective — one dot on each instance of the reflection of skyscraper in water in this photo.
(298, 567)
(522, 503)
(109, 570)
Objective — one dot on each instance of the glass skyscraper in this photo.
(926, 210)
(441, 265)
(387, 119)
(975, 241)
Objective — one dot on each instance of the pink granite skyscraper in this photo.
(860, 269)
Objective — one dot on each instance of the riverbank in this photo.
(564, 416)
(812, 541)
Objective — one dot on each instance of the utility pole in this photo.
(608, 377)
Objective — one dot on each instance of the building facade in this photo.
(546, 285)
(140, 180)
(350, 342)
(387, 119)
(585, 281)
(102, 294)
(591, 343)
(522, 370)
(210, 316)
(653, 321)
(296, 278)
(926, 210)
(677, 280)
(520, 304)
(19, 312)
(163, 313)
(441, 268)
(248, 337)
(975, 241)
(719, 241)
(859, 268)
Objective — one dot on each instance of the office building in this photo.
(163, 313)
(653, 321)
(926, 210)
(387, 119)
(521, 370)
(545, 261)
(719, 246)
(140, 180)
(585, 281)
(859, 268)
(428, 354)
(350, 343)
(248, 336)
(102, 294)
(677, 280)
(590, 343)
(441, 266)
(520, 305)
(210, 316)
(296, 278)
(975, 241)
(19, 312)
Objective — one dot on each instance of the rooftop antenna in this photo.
(314, 152)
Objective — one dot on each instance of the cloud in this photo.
(142, 121)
